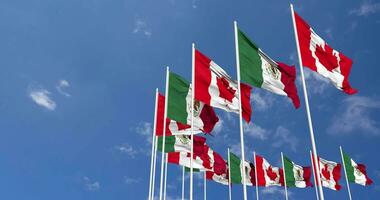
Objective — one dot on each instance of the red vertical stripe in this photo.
(160, 115)
(202, 77)
(173, 157)
(288, 78)
(260, 171)
(246, 101)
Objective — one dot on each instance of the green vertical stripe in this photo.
(178, 90)
(235, 168)
(349, 168)
(250, 62)
(289, 173)
(169, 144)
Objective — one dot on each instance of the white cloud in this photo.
(194, 4)
(283, 137)
(127, 149)
(366, 8)
(145, 129)
(218, 127)
(260, 101)
(315, 83)
(62, 84)
(142, 27)
(91, 185)
(129, 180)
(328, 32)
(356, 116)
(41, 97)
(275, 191)
(256, 131)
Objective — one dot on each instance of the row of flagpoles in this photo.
(274, 69)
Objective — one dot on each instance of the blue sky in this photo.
(78, 78)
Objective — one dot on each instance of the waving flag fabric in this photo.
(318, 56)
(216, 88)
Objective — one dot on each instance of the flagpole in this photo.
(164, 132)
(314, 148)
(283, 167)
(154, 167)
(229, 175)
(256, 182)
(240, 110)
(192, 118)
(345, 172)
(183, 182)
(166, 175)
(315, 180)
(204, 186)
(153, 146)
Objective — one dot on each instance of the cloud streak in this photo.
(142, 27)
(355, 115)
(42, 98)
(366, 8)
(62, 85)
(91, 185)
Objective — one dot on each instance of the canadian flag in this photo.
(216, 88)
(320, 57)
(330, 173)
(267, 175)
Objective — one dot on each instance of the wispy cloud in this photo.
(62, 85)
(142, 27)
(355, 115)
(91, 185)
(256, 131)
(316, 84)
(42, 98)
(130, 180)
(145, 129)
(194, 4)
(274, 191)
(282, 136)
(262, 100)
(127, 149)
(328, 32)
(366, 8)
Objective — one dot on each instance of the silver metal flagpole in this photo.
(166, 175)
(154, 167)
(192, 118)
(315, 180)
(283, 167)
(204, 186)
(183, 182)
(314, 148)
(153, 145)
(345, 172)
(164, 133)
(229, 175)
(256, 179)
(240, 110)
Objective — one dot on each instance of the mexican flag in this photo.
(318, 56)
(182, 143)
(179, 106)
(267, 175)
(216, 88)
(172, 127)
(259, 70)
(183, 159)
(236, 166)
(356, 173)
(295, 175)
(329, 173)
